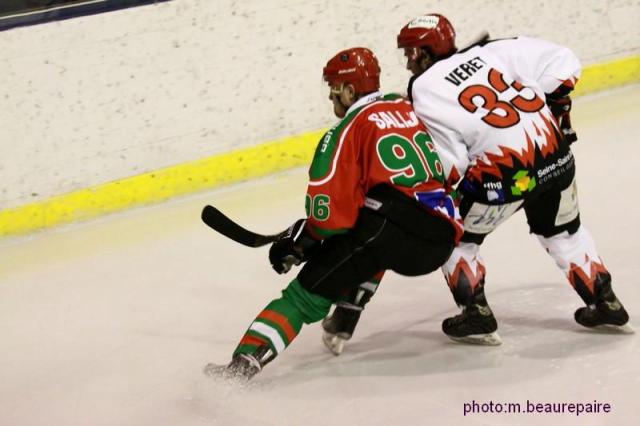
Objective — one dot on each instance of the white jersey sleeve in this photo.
(530, 59)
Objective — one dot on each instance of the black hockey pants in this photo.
(400, 236)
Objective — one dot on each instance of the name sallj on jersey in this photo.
(386, 120)
(463, 71)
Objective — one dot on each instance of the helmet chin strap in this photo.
(338, 93)
(346, 107)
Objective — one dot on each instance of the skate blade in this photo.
(610, 328)
(333, 342)
(489, 339)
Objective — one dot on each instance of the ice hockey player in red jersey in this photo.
(375, 201)
(498, 112)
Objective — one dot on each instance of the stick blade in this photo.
(219, 222)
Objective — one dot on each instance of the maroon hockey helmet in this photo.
(357, 66)
(432, 31)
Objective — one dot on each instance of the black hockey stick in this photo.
(217, 221)
(480, 39)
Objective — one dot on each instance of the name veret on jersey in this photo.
(463, 71)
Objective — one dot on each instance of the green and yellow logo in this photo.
(522, 182)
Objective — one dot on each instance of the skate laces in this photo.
(471, 311)
(458, 319)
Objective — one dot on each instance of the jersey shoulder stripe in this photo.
(327, 152)
(326, 149)
(392, 97)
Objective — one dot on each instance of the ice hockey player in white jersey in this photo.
(499, 115)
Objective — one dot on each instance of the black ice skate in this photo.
(476, 324)
(242, 367)
(339, 326)
(607, 313)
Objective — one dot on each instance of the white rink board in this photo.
(99, 98)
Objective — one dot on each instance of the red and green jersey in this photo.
(380, 141)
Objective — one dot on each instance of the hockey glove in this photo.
(295, 247)
(560, 106)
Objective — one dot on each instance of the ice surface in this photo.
(110, 322)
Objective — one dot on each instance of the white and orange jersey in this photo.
(485, 107)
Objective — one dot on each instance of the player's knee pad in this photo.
(576, 255)
(569, 250)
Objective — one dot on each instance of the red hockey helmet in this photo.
(357, 66)
(433, 32)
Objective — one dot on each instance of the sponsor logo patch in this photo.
(428, 22)
(522, 182)
(347, 70)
